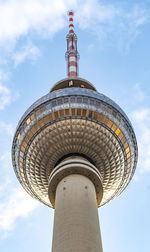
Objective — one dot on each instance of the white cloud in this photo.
(46, 17)
(4, 76)
(4, 186)
(28, 51)
(92, 12)
(6, 128)
(6, 166)
(5, 96)
(139, 95)
(18, 17)
(117, 23)
(141, 115)
(141, 120)
(17, 204)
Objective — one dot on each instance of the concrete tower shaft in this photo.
(75, 189)
(76, 223)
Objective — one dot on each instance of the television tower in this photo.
(74, 150)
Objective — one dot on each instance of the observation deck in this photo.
(73, 119)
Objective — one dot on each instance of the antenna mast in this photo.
(72, 55)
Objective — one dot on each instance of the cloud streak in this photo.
(18, 204)
(18, 17)
(139, 95)
(115, 23)
(46, 17)
(6, 128)
(5, 96)
(28, 51)
(141, 118)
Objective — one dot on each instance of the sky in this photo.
(114, 47)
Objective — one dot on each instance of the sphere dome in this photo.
(74, 119)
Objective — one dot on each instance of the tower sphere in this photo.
(74, 120)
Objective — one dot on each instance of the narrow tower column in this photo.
(72, 55)
(76, 223)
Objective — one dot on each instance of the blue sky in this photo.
(113, 42)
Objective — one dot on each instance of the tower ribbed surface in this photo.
(74, 120)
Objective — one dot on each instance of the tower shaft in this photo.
(76, 223)
(72, 55)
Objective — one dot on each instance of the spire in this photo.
(72, 55)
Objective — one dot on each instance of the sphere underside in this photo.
(72, 121)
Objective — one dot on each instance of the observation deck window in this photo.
(50, 117)
(46, 119)
(120, 135)
(98, 104)
(73, 111)
(60, 101)
(79, 100)
(100, 118)
(127, 150)
(28, 120)
(84, 112)
(123, 140)
(103, 107)
(53, 104)
(122, 122)
(72, 99)
(117, 131)
(90, 114)
(126, 145)
(114, 127)
(22, 149)
(18, 136)
(67, 112)
(85, 100)
(79, 112)
(66, 100)
(118, 116)
(106, 120)
(32, 116)
(109, 110)
(56, 114)
(61, 113)
(95, 115)
(114, 113)
(110, 123)
(24, 144)
(92, 102)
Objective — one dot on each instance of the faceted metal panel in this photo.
(74, 120)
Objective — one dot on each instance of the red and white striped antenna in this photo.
(72, 55)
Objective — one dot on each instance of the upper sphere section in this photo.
(75, 82)
(74, 120)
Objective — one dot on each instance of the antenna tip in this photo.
(70, 13)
